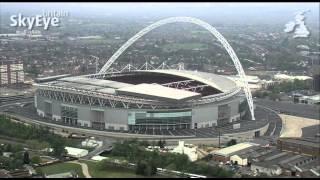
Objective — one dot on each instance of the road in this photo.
(274, 130)
(275, 107)
(15, 99)
(310, 131)
(302, 110)
(29, 115)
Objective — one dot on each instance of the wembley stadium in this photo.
(155, 101)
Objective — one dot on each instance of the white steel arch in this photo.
(201, 23)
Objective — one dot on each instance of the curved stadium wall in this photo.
(118, 102)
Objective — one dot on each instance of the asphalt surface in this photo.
(311, 131)
(302, 110)
(29, 112)
(22, 107)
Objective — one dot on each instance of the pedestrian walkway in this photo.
(85, 169)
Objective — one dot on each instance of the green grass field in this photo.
(110, 172)
(61, 168)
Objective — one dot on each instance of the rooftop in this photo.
(158, 91)
(153, 84)
(217, 81)
(274, 159)
(232, 149)
(42, 79)
(311, 142)
(95, 82)
(288, 77)
(75, 151)
(253, 151)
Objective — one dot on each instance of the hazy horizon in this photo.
(226, 12)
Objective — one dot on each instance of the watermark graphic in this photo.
(45, 20)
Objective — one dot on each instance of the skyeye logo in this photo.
(46, 20)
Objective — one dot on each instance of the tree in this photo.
(141, 166)
(149, 170)
(160, 144)
(17, 148)
(101, 165)
(274, 96)
(232, 142)
(8, 148)
(4, 162)
(181, 161)
(171, 166)
(144, 143)
(34, 70)
(58, 148)
(35, 160)
(26, 158)
(40, 172)
(33, 144)
(15, 164)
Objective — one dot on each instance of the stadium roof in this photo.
(219, 82)
(95, 82)
(50, 78)
(158, 91)
(152, 91)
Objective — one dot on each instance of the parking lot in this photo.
(301, 110)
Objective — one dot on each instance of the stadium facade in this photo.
(140, 100)
(157, 102)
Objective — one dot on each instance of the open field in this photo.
(61, 168)
(110, 172)
(113, 172)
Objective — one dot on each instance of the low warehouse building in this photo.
(271, 170)
(276, 162)
(309, 146)
(239, 159)
(76, 152)
(224, 154)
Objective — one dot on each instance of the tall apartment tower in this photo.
(11, 72)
